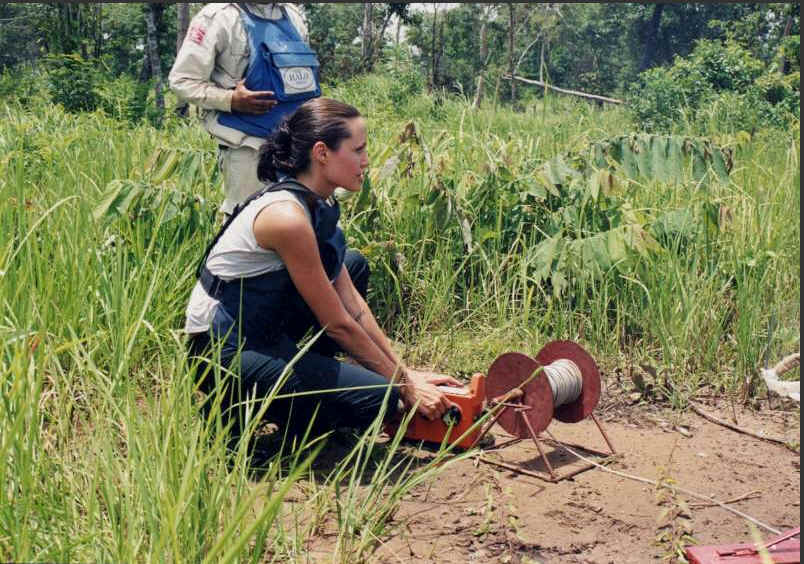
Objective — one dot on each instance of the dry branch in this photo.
(749, 495)
(748, 432)
(564, 90)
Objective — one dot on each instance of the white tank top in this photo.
(236, 255)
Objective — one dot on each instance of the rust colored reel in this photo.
(519, 381)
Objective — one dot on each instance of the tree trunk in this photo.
(484, 53)
(98, 30)
(511, 28)
(652, 39)
(541, 60)
(377, 41)
(788, 26)
(367, 36)
(152, 46)
(182, 23)
(82, 31)
(440, 42)
(434, 59)
(396, 44)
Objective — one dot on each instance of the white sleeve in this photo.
(189, 78)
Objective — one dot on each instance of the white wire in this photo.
(565, 380)
(655, 483)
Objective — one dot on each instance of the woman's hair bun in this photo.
(282, 135)
(288, 148)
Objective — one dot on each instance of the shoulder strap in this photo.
(289, 184)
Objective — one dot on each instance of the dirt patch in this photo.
(476, 512)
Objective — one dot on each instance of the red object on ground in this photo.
(469, 402)
(782, 550)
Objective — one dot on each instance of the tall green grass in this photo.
(104, 455)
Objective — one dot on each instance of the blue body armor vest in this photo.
(279, 61)
(253, 308)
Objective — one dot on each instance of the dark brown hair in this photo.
(288, 149)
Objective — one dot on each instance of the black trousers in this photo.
(327, 393)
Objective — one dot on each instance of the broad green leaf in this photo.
(119, 197)
(629, 161)
(536, 191)
(112, 194)
(543, 256)
(615, 244)
(595, 251)
(675, 158)
(364, 198)
(486, 233)
(643, 158)
(699, 168)
(168, 167)
(660, 163)
(719, 165)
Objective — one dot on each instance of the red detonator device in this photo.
(468, 404)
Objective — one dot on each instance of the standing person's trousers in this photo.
(239, 168)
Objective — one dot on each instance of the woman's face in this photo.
(346, 165)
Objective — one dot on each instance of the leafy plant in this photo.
(714, 74)
(674, 523)
(591, 226)
(159, 199)
(72, 82)
(124, 97)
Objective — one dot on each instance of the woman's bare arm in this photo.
(361, 312)
(284, 228)
(422, 382)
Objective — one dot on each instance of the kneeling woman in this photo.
(280, 267)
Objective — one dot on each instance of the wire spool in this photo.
(567, 387)
(583, 406)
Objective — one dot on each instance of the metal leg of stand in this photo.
(535, 438)
(488, 427)
(603, 432)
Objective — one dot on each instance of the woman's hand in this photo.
(435, 378)
(420, 390)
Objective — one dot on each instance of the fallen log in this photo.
(564, 90)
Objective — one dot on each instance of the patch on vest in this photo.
(297, 79)
(196, 34)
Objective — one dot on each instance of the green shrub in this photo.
(657, 99)
(123, 97)
(721, 81)
(23, 84)
(791, 51)
(71, 81)
(405, 85)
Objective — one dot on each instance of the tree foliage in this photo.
(721, 79)
(610, 49)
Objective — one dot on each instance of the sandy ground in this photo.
(477, 512)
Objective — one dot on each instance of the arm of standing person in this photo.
(208, 37)
(286, 230)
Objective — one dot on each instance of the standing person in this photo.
(279, 268)
(247, 66)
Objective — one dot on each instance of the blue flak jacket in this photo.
(279, 61)
(255, 309)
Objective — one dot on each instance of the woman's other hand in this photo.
(435, 378)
